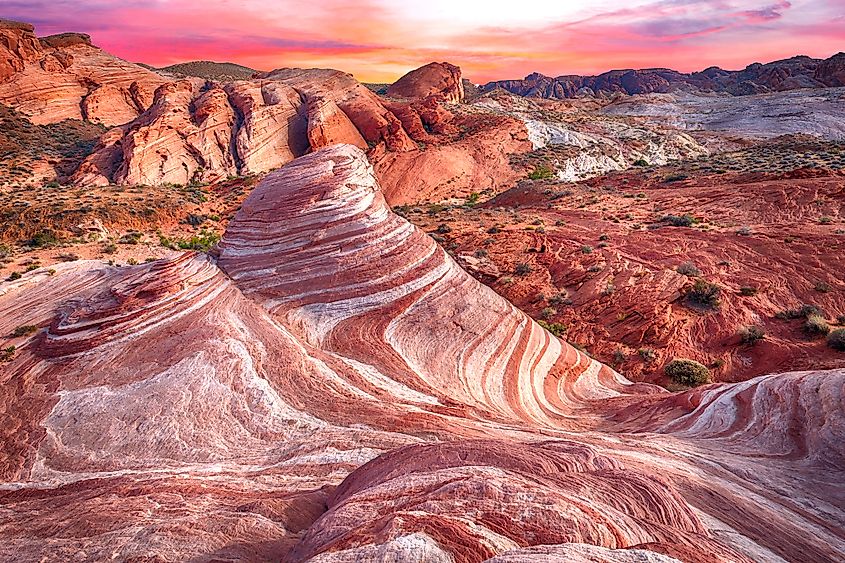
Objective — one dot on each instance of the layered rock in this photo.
(65, 77)
(440, 80)
(333, 387)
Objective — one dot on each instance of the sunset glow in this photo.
(379, 40)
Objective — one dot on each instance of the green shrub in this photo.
(687, 372)
(641, 162)
(14, 276)
(548, 313)
(748, 291)
(43, 239)
(647, 354)
(24, 330)
(132, 237)
(523, 269)
(751, 334)
(6, 354)
(558, 329)
(685, 220)
(704, 294)
(801, 312)
(586, 249)
(816, 325)
(836, 339)
(541, 172)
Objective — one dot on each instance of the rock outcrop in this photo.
(788, 74)
(333, 387)
(65, 77)
(440, 80)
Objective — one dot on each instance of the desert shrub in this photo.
(744, 231)
(687, 372)
(5, 251)
(836, 339)
(202, 241)
(24, 330)
(480, 253)
(6, 354)
(494, 230)
(473, 198)
(523, 269)
(586, 249)
(641, 162)
(647, 354)
(840, 320)
(43, 239)
(619, 356)
(14, 276)
(541, 172)
(548, 313)
(443, 228)
(704, 294)
(685, 220)
(822, 287)
(825, 220)
(801, 312)
(132, 237)
(816, 325)
(561, 298)
(747, 291)
(558, 329)
(751, 334)
(688, 269)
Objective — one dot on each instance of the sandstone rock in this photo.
(441, 80)
(51, 79)
(333, 385)
(328, 125)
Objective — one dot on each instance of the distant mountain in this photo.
(207, 69)
(788, 74)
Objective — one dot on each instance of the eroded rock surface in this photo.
(333, 386)
(66, 77)
(441, 80)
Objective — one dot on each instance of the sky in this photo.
(379, 40)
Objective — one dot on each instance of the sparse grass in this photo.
(687, 372)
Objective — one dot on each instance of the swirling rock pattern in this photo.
(333, 387)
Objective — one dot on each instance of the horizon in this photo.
(493, 42)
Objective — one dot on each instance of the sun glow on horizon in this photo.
(379, 40)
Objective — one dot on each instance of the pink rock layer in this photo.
(333, 387)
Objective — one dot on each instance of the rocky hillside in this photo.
(64, 76)
(259, 405)
(788, 74)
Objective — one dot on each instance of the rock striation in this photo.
(332, 386)
(66, 77)
(440, 80)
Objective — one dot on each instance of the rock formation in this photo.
(333, 387)
(788, 74)
(441, 80)
(66, 77)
